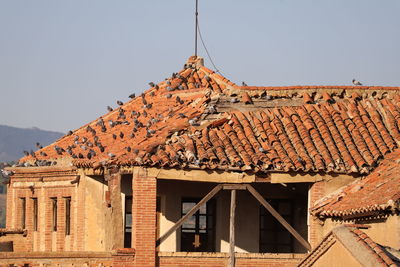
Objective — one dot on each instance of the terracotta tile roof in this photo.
(141, 123)
(350, 136)
(359, 244)
(377, 193)
(198, 118)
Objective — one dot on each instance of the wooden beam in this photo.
(215, 176)
(178, 224)
(274, 213)
(232, 230)
(234, 187)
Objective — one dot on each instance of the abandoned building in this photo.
(199, 171)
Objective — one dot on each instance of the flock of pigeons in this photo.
(6, 174)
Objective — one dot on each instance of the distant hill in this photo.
(13, 141)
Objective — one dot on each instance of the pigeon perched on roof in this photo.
(244, 84)
(355, 82)
(132, 96)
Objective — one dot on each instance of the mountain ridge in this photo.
(14, 140)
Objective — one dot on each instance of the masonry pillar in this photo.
(144, 217)
(316, 192)
(117, 230)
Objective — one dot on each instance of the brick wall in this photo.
(19, 241)
(104, 259)
(144, 217)
(43, 187)
(199, 259)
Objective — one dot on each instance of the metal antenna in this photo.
(196, 27)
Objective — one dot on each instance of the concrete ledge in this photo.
(226, 255)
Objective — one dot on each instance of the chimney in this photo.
(196, 61)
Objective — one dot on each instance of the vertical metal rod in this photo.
(232, 230)
(195, 30)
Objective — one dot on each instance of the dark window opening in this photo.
(128, 222)
(54, 215)
(198, 231)
(35, 214)
(158, 218)
(67, 216)
(274, 238)
(23, 212)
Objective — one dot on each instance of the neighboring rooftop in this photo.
(359, 244)
(378, 193)
(199, 119)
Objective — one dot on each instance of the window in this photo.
(197, 232)
(35, 214)
(128, 222)
(54, 215)
(67, 215)
(23, 212)
(274, 238)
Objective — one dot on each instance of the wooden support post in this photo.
(232, 230)
(279, 217)
(189, 214)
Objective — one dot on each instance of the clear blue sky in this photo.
(63, 62)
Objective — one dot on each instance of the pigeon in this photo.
(355, 82)
(132, 96)
(100, 122)
(109, 108)
(181, 115)
(194, 122)
(179, 100)
(120, 103)
(244, 84)
(152, 84)
(212, 109)
(234, 100)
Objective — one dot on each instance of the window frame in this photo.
(23, 212)
(276, 227)
(67, 202)
(210, 220)
(35, 213)
(54, 213)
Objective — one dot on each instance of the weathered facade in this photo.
(198, 171)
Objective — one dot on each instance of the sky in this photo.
(63, 62)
